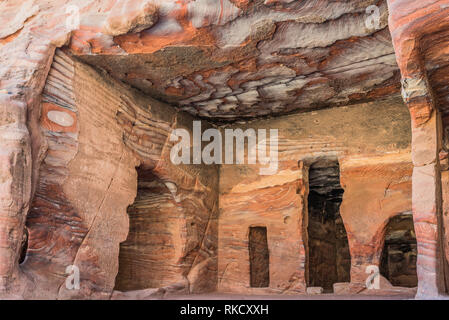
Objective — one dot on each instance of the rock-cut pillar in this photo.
(426, 185)
(410, 21)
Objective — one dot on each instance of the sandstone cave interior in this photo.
(144, 258)
(353, 113)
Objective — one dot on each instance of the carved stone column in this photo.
(409, 23)
(426, 197)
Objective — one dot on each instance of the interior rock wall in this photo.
(96, 133)
(27, 45)
(372, 144)
(376, 189)
(149, 258)
(249, 200)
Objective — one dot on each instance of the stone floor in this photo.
(224, 296)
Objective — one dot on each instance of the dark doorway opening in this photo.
(329, 260)
(259, 257)
(398, 262)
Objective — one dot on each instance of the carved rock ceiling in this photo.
(234, 60)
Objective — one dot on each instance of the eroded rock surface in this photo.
(224, 60)
(76, 122)
(376, 183)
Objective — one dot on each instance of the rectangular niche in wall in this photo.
(259, 257)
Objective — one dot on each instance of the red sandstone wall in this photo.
(372, 144)
(88, 179)
(376, 189)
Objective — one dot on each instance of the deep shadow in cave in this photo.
(398, 261)
(328, 260)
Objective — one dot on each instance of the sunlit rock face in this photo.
(91, 92)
